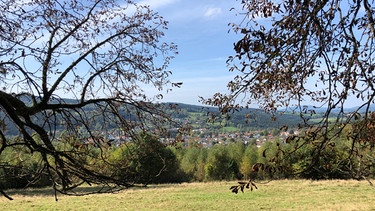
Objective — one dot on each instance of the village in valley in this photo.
(205, 134)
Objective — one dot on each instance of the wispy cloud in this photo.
(154, 4)
(212, 12)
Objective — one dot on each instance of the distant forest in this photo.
(200, 116)
(243, 119)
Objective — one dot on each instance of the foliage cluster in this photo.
(274, 160)
(141, 161)
(146, 160)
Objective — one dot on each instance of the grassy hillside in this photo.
(275, 195)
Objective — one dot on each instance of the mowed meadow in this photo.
(273, 195)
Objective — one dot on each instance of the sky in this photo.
(200, 29)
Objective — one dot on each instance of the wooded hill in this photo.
(200, 117)
(242, 120)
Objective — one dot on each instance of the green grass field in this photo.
(274, 195)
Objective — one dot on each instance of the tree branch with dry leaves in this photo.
(73, 72)
(294, 54)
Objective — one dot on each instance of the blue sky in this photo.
(200, 29)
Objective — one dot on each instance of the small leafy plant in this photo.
(242, 185)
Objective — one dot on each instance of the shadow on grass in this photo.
(49, 191)
(82, 190)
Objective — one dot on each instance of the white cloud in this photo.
(212, 11)
(154, 4)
